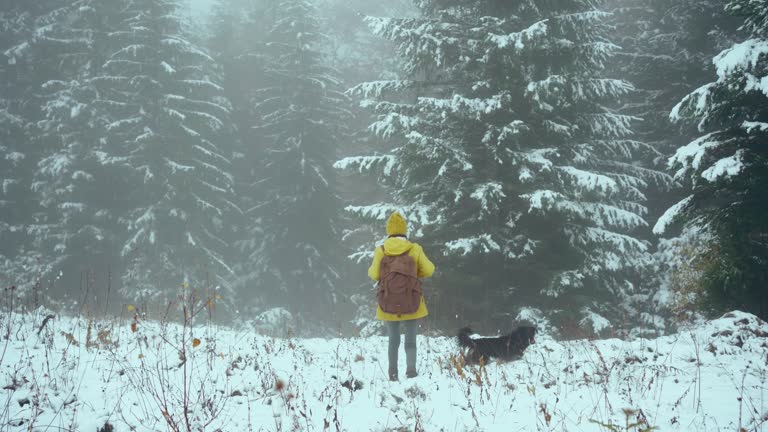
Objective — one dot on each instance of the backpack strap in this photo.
(386, 291)
(385, 251)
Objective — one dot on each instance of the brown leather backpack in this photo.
(399, 288)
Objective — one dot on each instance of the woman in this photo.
(397, 244)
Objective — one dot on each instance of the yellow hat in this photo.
(396, 224)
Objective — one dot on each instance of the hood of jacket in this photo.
(396, 246)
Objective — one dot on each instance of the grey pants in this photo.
(393, 327)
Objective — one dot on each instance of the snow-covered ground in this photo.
(67, 377)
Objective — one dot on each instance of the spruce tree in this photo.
(14, 186)
(21, 75)
(665, 51)
(77, 194)
(726, 169)
(506, 153)
(293, 252)
(168, 130)
(237, 32)
(142, 161)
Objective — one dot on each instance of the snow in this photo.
(272, 320)
(525, 175)
(756, 84)
(743, 56)
(379, 211)
(76, 110)
(709, 377)
(210, 153)
(558, 128)
(539, 157)
(750, 126)
(6, 185)
(14, 157)
(378, 25)
(18, 51)
(483, 243)
(514, 128)
(519, 39)
(105, 159)
(669, 216)
(203, 84)
(601, 215)
(133, 50)
(701, 95)
(594, 320)
(175, 166)
(625, 244)
(205, 206)
(556, 87)
(437, 148)
(186, 47)
(175, 114)
(367, 163)
(418, 214)
(609, 125)
(542, 199)
(124, 122)
(78, 207)
(131, 244)
(488, 193)
(167, 68)
(56, 165)
(583, 180)
(726, 167)
(459, 104)
(580, 17)
(375, 89)
(690, 156)
(391, 123)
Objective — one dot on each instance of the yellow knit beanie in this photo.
(396, 225)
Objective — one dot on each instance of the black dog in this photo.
(507, 347)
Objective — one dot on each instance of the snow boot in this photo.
(393, 374)
(410, 360)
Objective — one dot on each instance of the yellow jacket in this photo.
(424, 268)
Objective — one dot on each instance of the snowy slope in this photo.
(708, 378)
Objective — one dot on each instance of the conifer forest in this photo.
(596, 167)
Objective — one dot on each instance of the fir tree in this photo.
(506, 154)
(727, 169)
(237, 31)
(293, 253)
(76, 192)
(13, 187)
(21, 218)
(133, 168)
(666, 51)
(163, 151)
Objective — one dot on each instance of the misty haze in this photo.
(353, 215)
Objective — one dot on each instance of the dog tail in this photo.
(464, 339)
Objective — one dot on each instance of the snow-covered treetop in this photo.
(742, 67)
(755, 13)
(742, 57)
